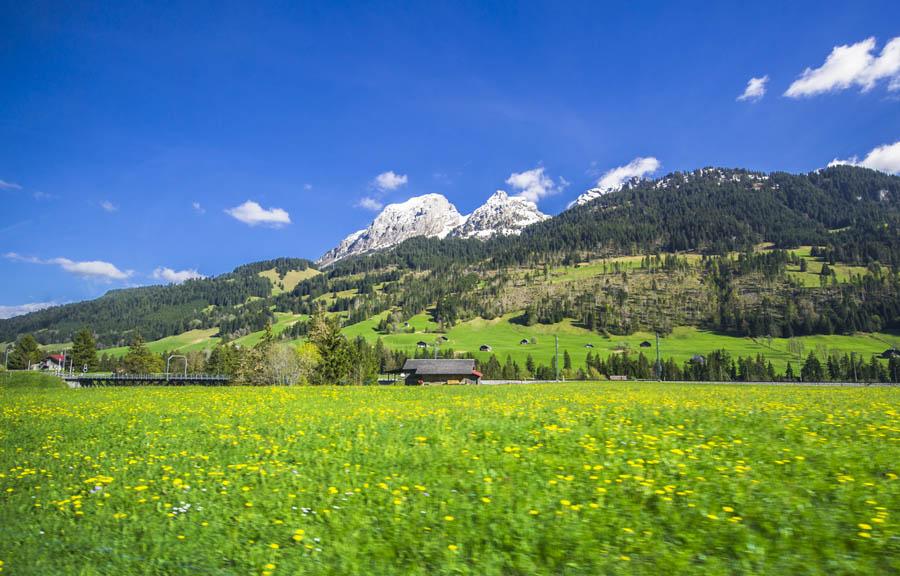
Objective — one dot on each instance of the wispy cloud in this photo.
(848, 66)
(19, 309)
(884, 158)
(4, 185)
(96, 269)
(369, 203)
(43, 195)
(198, 208)
(637, 168)
(534, 184)
(253, 214)
(756, 89)
(387, 181)
(176, 276)
(109, 206)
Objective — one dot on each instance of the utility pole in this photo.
(556, 358)
(6, 359)
(658, 365)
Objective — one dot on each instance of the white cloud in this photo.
(4, 185)
(96, 269)
(253, 214)
(389, 180)
(849, 66)
(109, 206)
(43, 195)
(18, 310)
(307, 186)
(198, 208)
(92, 269)
(884, 158)
(370, 203)
(533, 185)
(756, 89)
(638, 168)
(176, 276)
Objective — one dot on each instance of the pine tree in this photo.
(26, 352)
(139, 359)
(529, 364)
(335, 364)
(84, 351)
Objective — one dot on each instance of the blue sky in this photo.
(128, 130)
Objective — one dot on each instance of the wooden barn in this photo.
(420, 371)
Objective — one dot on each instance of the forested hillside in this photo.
(234, 301)
(723, 250)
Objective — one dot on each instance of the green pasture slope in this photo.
(571, 479)
(503, 336)
(206, 339)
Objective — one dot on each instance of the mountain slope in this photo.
(849, 216)
(431, 215)
(235, 302)
(502, 215)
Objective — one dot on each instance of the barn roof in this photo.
(424, 366)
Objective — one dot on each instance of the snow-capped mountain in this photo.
(501, 214)
(430, 215)
(434, 216)
(594, 193)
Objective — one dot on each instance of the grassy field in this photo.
(30, 380)
(504, 336)
(544, 479)
(290, 279)
(811, 278)
(206, 339)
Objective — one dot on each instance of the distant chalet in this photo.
(420, 371)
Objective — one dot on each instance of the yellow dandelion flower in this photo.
(452, 547)
(449, 518)
(274, 546)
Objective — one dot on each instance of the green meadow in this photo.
(545, 479)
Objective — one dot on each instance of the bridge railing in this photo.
(154, 377)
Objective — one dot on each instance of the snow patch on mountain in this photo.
(430, 215)
(501, 214)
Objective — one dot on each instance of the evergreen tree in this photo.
(84, 351)
(789, 373)
(26, 352)
(812, 369)
(335, 364)
(529, 365)
(139, 359)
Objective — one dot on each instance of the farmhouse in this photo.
(53, 363)
(485, 348)
(524, 341)
(440, 371)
